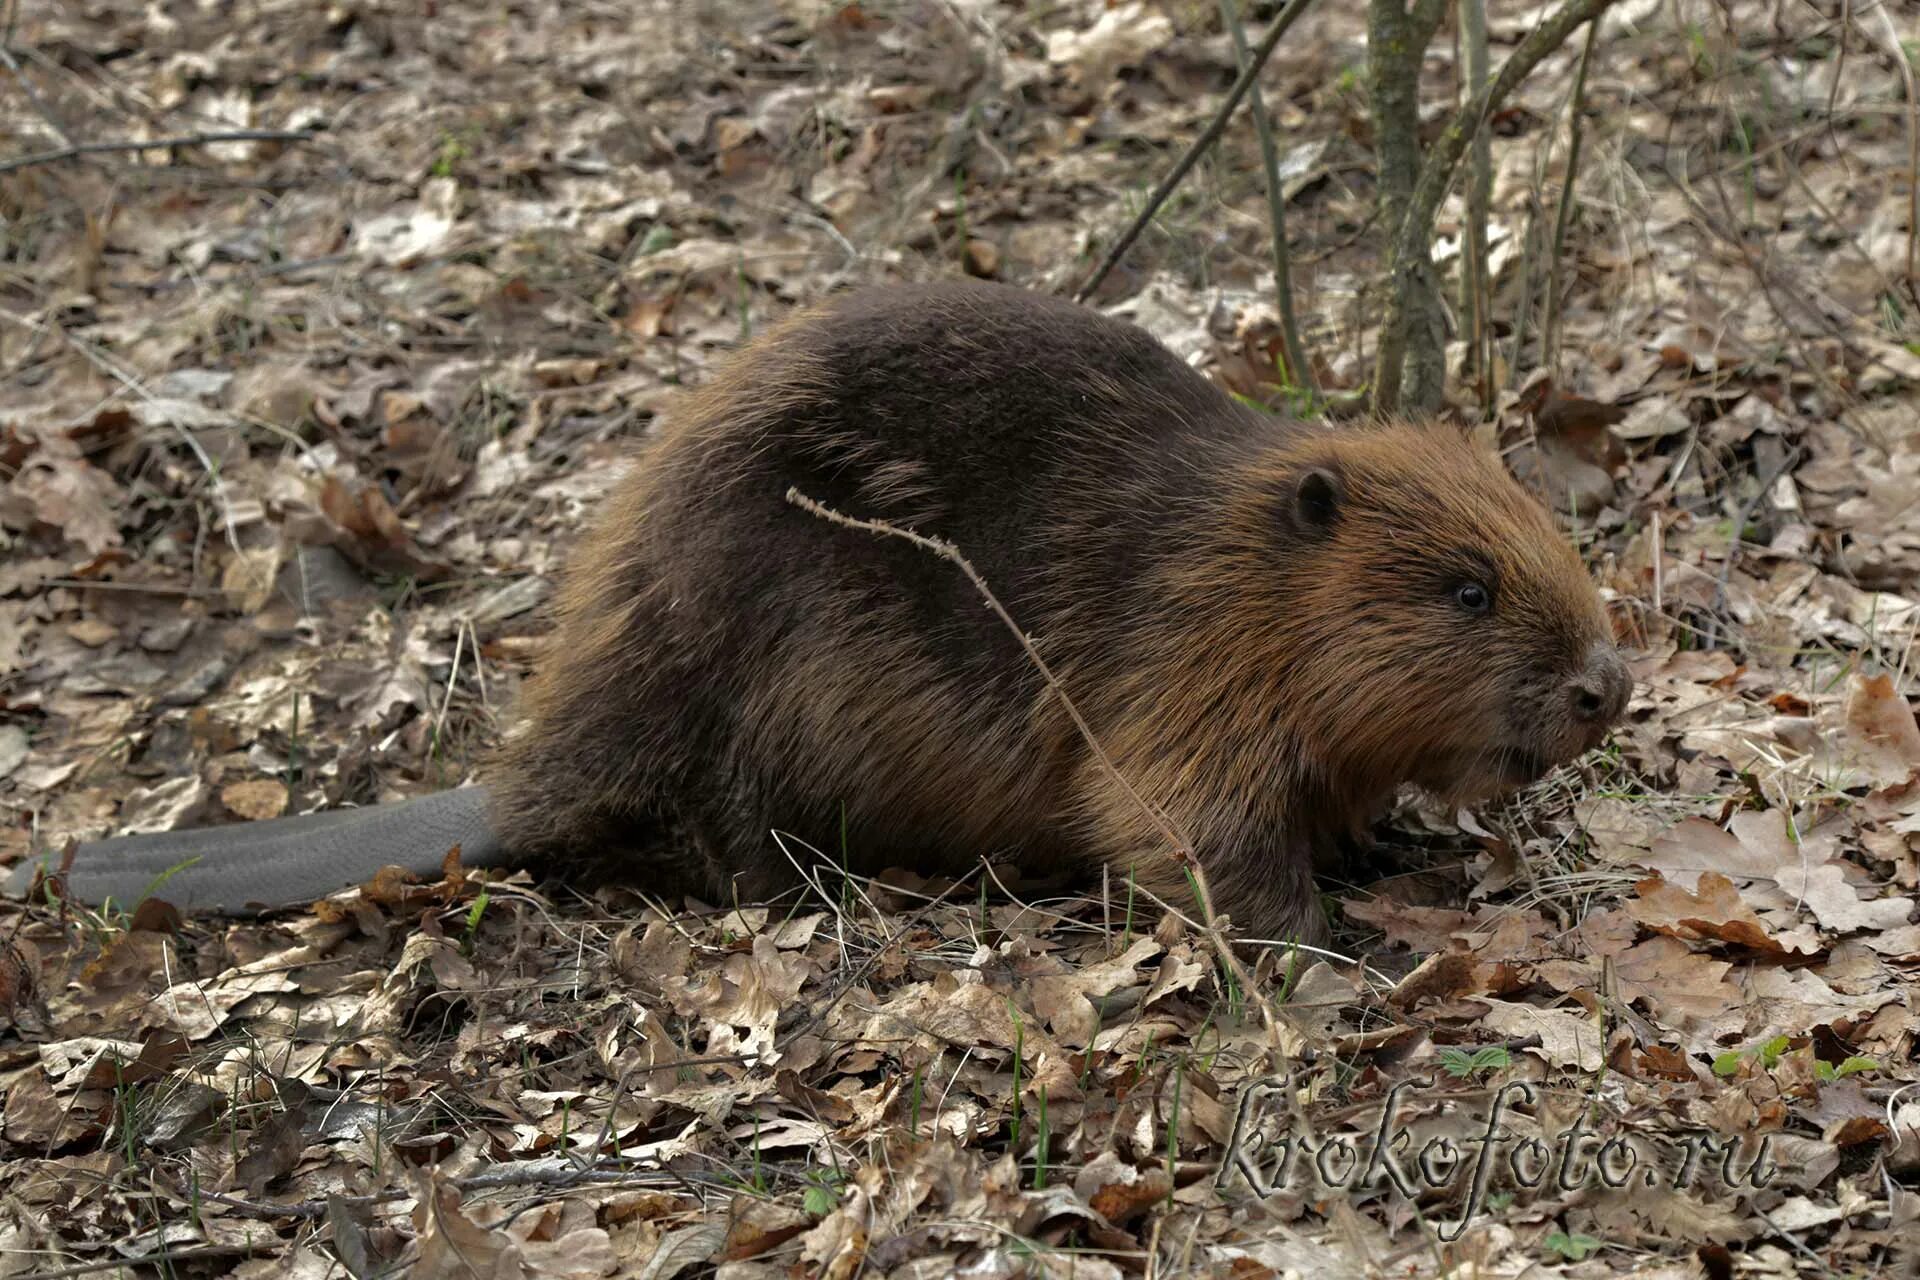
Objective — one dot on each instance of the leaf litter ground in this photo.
(296, 435)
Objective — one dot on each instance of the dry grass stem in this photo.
(1180, 844)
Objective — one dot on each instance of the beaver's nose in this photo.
(1598, 695)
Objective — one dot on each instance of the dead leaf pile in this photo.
(294, 437)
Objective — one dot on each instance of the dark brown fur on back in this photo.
(1265, 667)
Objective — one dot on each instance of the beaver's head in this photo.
(1444, 631)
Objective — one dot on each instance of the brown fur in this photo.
(1257, 617)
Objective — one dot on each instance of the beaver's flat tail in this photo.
(287, 862)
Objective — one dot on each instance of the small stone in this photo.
(166, 637)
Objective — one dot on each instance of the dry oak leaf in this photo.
(455, 1247)
(366, 528)
(1318, 1002)
(34, 1116)
(749, 993)
(1679, 984)
(1179, 971)
(1566, 1039)
(960, 1009)
(1881, 724)
(1713, 910)
(411, 231)
(1416, 928)
(756, 1225)
(1118, 1190)
(1822, 889)
(838, 1245)
(255, 799)
(1791, 1001)
(62, 490)
(1122, 36)
(1064, 1000)
(118, 983)
(1577, 453)
(684, 1247)
(93, 632)
(1757, 847)
(273, 1153)
(248, 578)
(1785, 873)
(788, 932)
(89, 1062)
(661, 955)
(1441, 976)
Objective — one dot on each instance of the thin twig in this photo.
(453, 681)
(1781, 468)
(946, 550)
(1299, 371)
(153, 144)
(26, 86)
(164, 1258)
(1522, 320)
(548, 1172)
(1563, 216)
(1898, 53)
(1211, 134)
(132, 381)
(144, 588)
(1182, 844)
(243, 273)
(1793, 293)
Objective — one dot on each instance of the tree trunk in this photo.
(1396, 48)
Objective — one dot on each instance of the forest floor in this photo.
(296, 432)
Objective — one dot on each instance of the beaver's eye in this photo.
(1472, 597)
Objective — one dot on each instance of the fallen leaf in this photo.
(1567, 1040)
(1823, 889)
(255, 799)
(1713, 909)
(1122, 35)
(1882, 725)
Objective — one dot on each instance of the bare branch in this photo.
(1208, 136)
(26, 87)
(1416, 227)
(1182, 844)
(153, 144)
(1898, 53)
(1563, 216)
(1299, 372)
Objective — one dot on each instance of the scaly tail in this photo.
(286, 862)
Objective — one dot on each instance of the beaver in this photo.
(1268, 625)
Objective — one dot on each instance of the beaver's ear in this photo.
(1318, 495)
